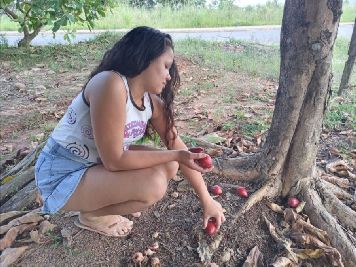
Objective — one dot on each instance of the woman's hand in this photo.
(213, 209)
(188, 159)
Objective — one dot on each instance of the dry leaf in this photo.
(339, 167)
(282, 262)
(35, 237)
(300, 207)
(285, 242)
(254, 258)
(226, 256)
(275, 207)
(155, 262)
(10, 255)
(46, 226)
(67, 237)
(305, 254)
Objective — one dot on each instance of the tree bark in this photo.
(349, 63)
(308, 33)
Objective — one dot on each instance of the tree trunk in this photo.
(28, 37)
(349, 63)
(287, 160)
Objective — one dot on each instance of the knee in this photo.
(171, 169)
(157, 189)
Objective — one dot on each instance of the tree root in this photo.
(25, 163)
(320, 217)
(242, 168)
(346, 216)
(270, 188)
(336, 190)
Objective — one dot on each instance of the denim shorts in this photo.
(58, 173)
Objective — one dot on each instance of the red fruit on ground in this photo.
(205, 163)
(216, 190)
(196, 150)
(242, 192)
(211, 228)
(293, 202)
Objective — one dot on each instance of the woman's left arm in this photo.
(212, 208)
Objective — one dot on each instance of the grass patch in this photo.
(254, 59)
(341, 114)
(124, 16)
(60, 57)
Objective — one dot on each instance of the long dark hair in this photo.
(133, 53)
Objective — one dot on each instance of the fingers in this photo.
(205, 222)
(198, 155)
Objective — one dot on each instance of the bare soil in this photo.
(207, 102)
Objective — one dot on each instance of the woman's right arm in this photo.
(107, 97)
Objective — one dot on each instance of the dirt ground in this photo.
(209, 101)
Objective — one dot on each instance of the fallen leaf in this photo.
(339, 167)
(283, 262)
(10, 255)
(275, 207)
(35, 237)
(305, 254)
(300, 207)
(226, 256)
(155, 262)
(46, 226)
(67, 237)
(254, 258)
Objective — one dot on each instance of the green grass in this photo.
(60, 57)
(124, 16)
(341, 114)
(253, 59)
(257, 60)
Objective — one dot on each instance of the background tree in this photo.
(349, 64)
(33, 15)
(286, 163)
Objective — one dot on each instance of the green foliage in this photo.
(341, 113)
(31, 16)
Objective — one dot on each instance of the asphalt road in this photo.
(258, 34)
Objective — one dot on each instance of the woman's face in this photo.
(157, 73)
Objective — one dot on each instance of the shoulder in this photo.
(105, 82)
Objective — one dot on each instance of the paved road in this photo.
(259, 34)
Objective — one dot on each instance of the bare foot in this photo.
(110, 225)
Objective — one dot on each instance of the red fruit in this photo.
(211, 227)
(242, 192)
(216, 190)
(205, 163)
(293, 202)
(196, 150)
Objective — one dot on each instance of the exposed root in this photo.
(270, 189)
(336, 190)
(320, 217)
(346, 215)
(242, 168)
(24, 163)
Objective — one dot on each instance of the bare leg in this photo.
(118, 193)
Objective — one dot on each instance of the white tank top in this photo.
(74, 130)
